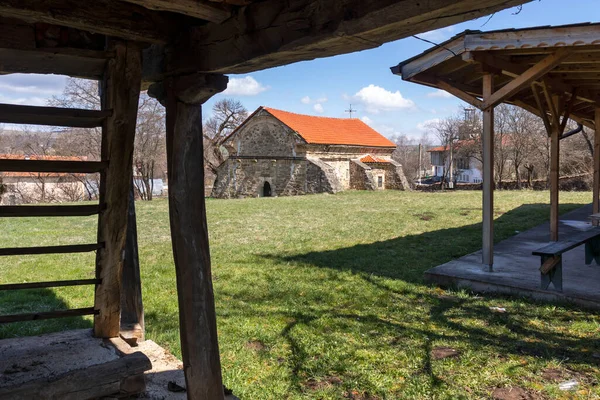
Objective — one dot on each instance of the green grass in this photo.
(322, 297)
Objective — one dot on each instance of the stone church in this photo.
(279, 153)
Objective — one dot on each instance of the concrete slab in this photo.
(516, 270)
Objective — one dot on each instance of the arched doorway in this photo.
(267, 189)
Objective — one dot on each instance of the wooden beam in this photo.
(132, 307)
(527, 77)
(596, 184)
(70, 248)
(552, 106)
(112, 18)
(206, 10)
(59, 166)
(53, 116)
(189, 236)
(568, 111)
(4, 319)
(554, 174)
(543, 114)
(120, 93)
(50, 211)
(40, 285)
(488, 175)
(271, 33)
(464, 96)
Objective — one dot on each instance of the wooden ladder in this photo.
(119, 92)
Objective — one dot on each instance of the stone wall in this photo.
(395, 178)
(361, 177)
(321, 178)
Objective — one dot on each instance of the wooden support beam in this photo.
(554, 172)
(543, 114)
(488, 175)
(189, 232)
(206, 10)
(69, 248)
(120, 93)
(132, 307)
(527, 77)
(568, 110)
(111, 18)
(50, 211)
(41, 285)
(4, 319)
(33, 115)
(464, 96)
(596, 184)
(72, 167)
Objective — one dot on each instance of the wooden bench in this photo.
(551, 255)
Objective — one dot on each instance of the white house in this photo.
(466, 169)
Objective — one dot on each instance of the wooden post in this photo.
(189, 234)
(120, 93)
(132, 307)
(596, 188)
(488, 175)
(554, 171)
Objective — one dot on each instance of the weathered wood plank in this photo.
(112, 18)
(464, 96)
(596, 182)
(189, 234)
(550, 264)
(5, 319)
(73, 167)
(40, 285)
(34, 115)
(96, 381)
(70, 248)
(488, 175)
(570, 242)
(132, 306)
(50, 211)
(120, 92)
(205, 10)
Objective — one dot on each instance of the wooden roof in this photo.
(529, 66)
(211, 36)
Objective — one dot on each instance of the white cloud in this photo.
(440, 94)
(438, 35)
(321, 100)
(305, 100)
(319, 108)
(246, 86)
(376, 99)
(366, 120)
(425, 125)
(308, 100)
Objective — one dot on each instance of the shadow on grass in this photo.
(32, 301)
(446, 318)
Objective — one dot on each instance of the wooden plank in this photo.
(96, 381)
(78, 63)
(542, 110)
(554, 170)
(50, 211)
(70, 248)
(596, 183)
(5, 319)
(488, 175)
(572, 240)
(120, 92)
(34, 115)
(197, 316)
(112, 18)
(527, 77)
(549, 264)
(464, 96)
(73, 167)
(205, 10)
(132, 306)
(40, 285)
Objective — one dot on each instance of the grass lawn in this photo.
(322, 297)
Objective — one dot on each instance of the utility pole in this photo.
(419, 173)
(350, 110)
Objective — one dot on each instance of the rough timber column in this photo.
(488, 175)
(554, 173)
(596, 188)
(120, 93)
(183, 98)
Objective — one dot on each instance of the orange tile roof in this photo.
(325, 130)
(372, 159)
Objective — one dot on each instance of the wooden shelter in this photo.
(553, 72)
(180, 50)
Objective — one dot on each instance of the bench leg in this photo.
(592, 251)
(551, 272)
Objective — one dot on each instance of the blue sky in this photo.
(327, 86)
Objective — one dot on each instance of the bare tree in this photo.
(227, 114)
(407, 154)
